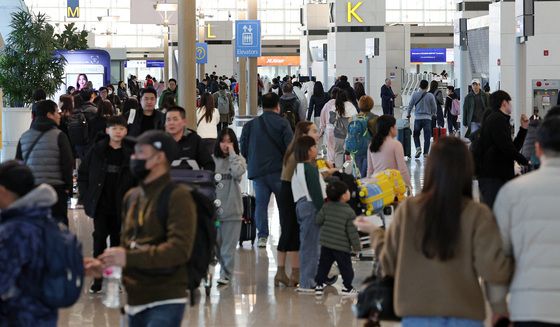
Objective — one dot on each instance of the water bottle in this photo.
(111, 284)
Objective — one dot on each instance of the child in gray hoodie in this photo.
(231, 166)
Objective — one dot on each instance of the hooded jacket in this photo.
(23, 260)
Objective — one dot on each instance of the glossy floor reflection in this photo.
(251, 300)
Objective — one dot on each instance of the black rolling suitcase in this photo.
(405, 136)
(248, 227)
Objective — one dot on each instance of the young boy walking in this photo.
(338, 237)
(103, 179)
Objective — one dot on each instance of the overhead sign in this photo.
(278, 61)
(202, 53)
(73, 9)
(352, 11)
(421, 55)
(248, 38)
(209, 34)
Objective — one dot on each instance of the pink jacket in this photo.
(390, 156)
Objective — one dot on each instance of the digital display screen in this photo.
(422, 55)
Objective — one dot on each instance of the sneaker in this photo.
(96, 286)
(223, 281)
(349, 292)
(301, 290)
(418, 153)
(262, 242)
(319, 289)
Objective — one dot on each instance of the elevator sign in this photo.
(248, 38)
(73, 9)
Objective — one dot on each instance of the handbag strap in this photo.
(33, 146)
(265, 129)
(422, 97)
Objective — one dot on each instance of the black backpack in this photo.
(290, 112)
(78, 129)
(205, 236)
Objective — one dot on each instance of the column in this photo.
(187, 59)
(252, 80)
(243, 87)
(166, 53)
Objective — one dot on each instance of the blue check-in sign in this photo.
(248, 38)
(202, 53)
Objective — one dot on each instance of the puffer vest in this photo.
(44, 160)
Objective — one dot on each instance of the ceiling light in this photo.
(167, 7)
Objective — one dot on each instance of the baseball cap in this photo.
(476, 80)
(160, 141)
(16, 177)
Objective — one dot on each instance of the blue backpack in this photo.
(63, 274)
(358, 137)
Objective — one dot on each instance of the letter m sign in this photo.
(73, 10)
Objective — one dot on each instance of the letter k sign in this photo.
(352, 11)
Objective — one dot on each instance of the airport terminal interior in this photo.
(384, 163)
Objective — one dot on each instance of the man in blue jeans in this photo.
(263, 142)
(425, 107)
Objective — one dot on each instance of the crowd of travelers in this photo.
(447, 253)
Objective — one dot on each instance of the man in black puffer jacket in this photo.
(103, 179)
(497, 151)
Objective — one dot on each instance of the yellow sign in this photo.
(352, 11)
(210, 35)
(73, 9)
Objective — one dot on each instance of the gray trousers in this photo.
(228, 238)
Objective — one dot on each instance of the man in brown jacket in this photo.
(154, 256)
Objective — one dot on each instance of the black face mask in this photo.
(138, 169)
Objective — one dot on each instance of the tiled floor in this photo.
(252, 299)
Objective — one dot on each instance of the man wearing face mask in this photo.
(153, 256)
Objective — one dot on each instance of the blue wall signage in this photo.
(422, 55)
(202, 53)
(248, 38)
(73, 9)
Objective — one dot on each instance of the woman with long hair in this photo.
(121, 91)
(81, 82)
(339, 119)
(232, 166)
(208, 118)
(98, 124)
(360, 90)
(326, 128)
(385, 152)
(317, 103)
(288, 245)
(66, 105)
(440, 243)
